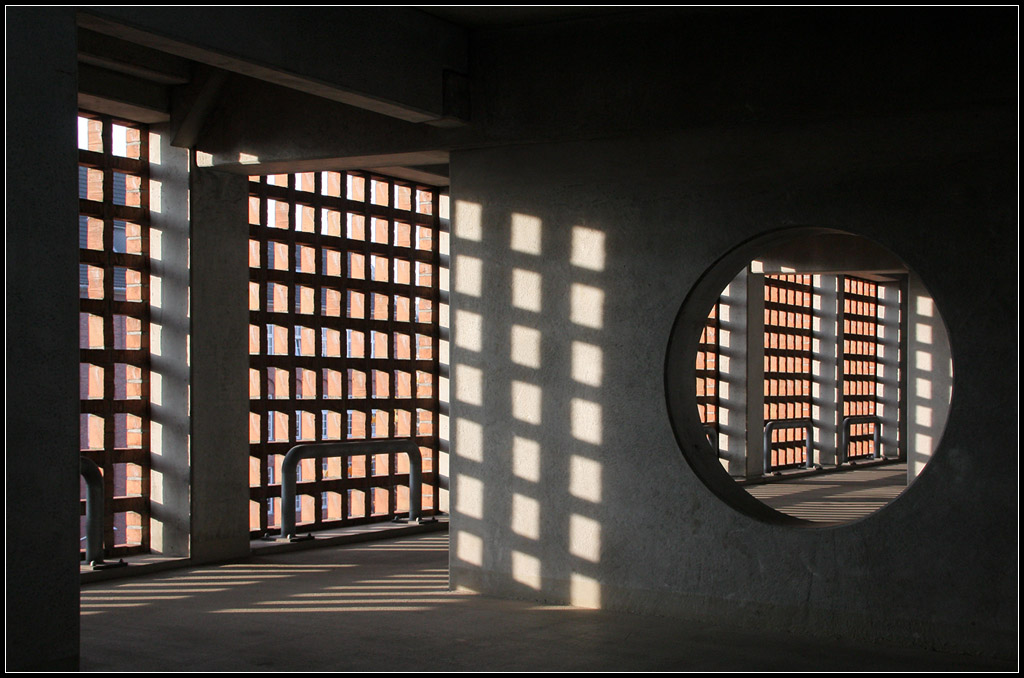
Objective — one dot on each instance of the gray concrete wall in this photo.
(41, 326)
(929, 377)
(570, 264)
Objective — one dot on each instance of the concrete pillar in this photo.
(42, 418)
(888, 394)
(929, 378)
(169, 232)
(755, 375)
(220, 366)
(827, 369)
(733, 366)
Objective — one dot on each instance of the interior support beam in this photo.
(131, 59)
(122, 95)
(192, 103)
(391, 61)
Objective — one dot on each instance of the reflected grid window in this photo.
(113, 220)
(343, 341)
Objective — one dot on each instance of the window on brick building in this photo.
(114, 312)
(371, 241)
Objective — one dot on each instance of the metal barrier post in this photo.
(860, 419)
(94, 515)
(345, 450)
(775, 424)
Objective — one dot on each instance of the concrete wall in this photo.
(570, 264)
(41, 257)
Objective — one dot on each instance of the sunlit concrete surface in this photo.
(385, 606)
(839, 497)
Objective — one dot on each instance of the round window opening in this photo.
(809, 377)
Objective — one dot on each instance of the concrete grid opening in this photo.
(344, 302)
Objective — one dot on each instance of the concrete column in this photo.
(732, 365)
(929, 378)
(169, 232)
(827, 369)
(220, 366)
(42, 418)
(755, 375)
(889, 369)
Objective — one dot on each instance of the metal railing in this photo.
(90, 472)
(860, 419)
(776, 424)
(345, 450)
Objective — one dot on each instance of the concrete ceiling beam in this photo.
(121, 95)
(191, 105)
(392, 61)
(429, 167)
(131, 59)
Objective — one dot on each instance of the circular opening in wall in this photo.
(809, 377)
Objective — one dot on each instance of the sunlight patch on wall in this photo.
(469, 496)
(526, 233)
(586, 421)
(526, 402)
(469, 330)
(587, 306)
(526, 569)
(155, 337)
(585, 538)
(526, 459)
(155, 196)
(469, 384)
(584, 591)
(467, 224)
(470, 548)
(588, 248)
(923, 335)
(525, 516)
(587, 363)
(925, 306)
(156, 388)
(526, 290)
(468, 275)
(923, 415)
(585, 478)
(923, 388)
(525, 346)
(469, 440)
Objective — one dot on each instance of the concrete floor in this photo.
(834, 497)
(385, 606)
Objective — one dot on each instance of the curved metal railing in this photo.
(345, 450)
(860, 419)
(776, 424)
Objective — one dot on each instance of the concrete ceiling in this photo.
(505, 16)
